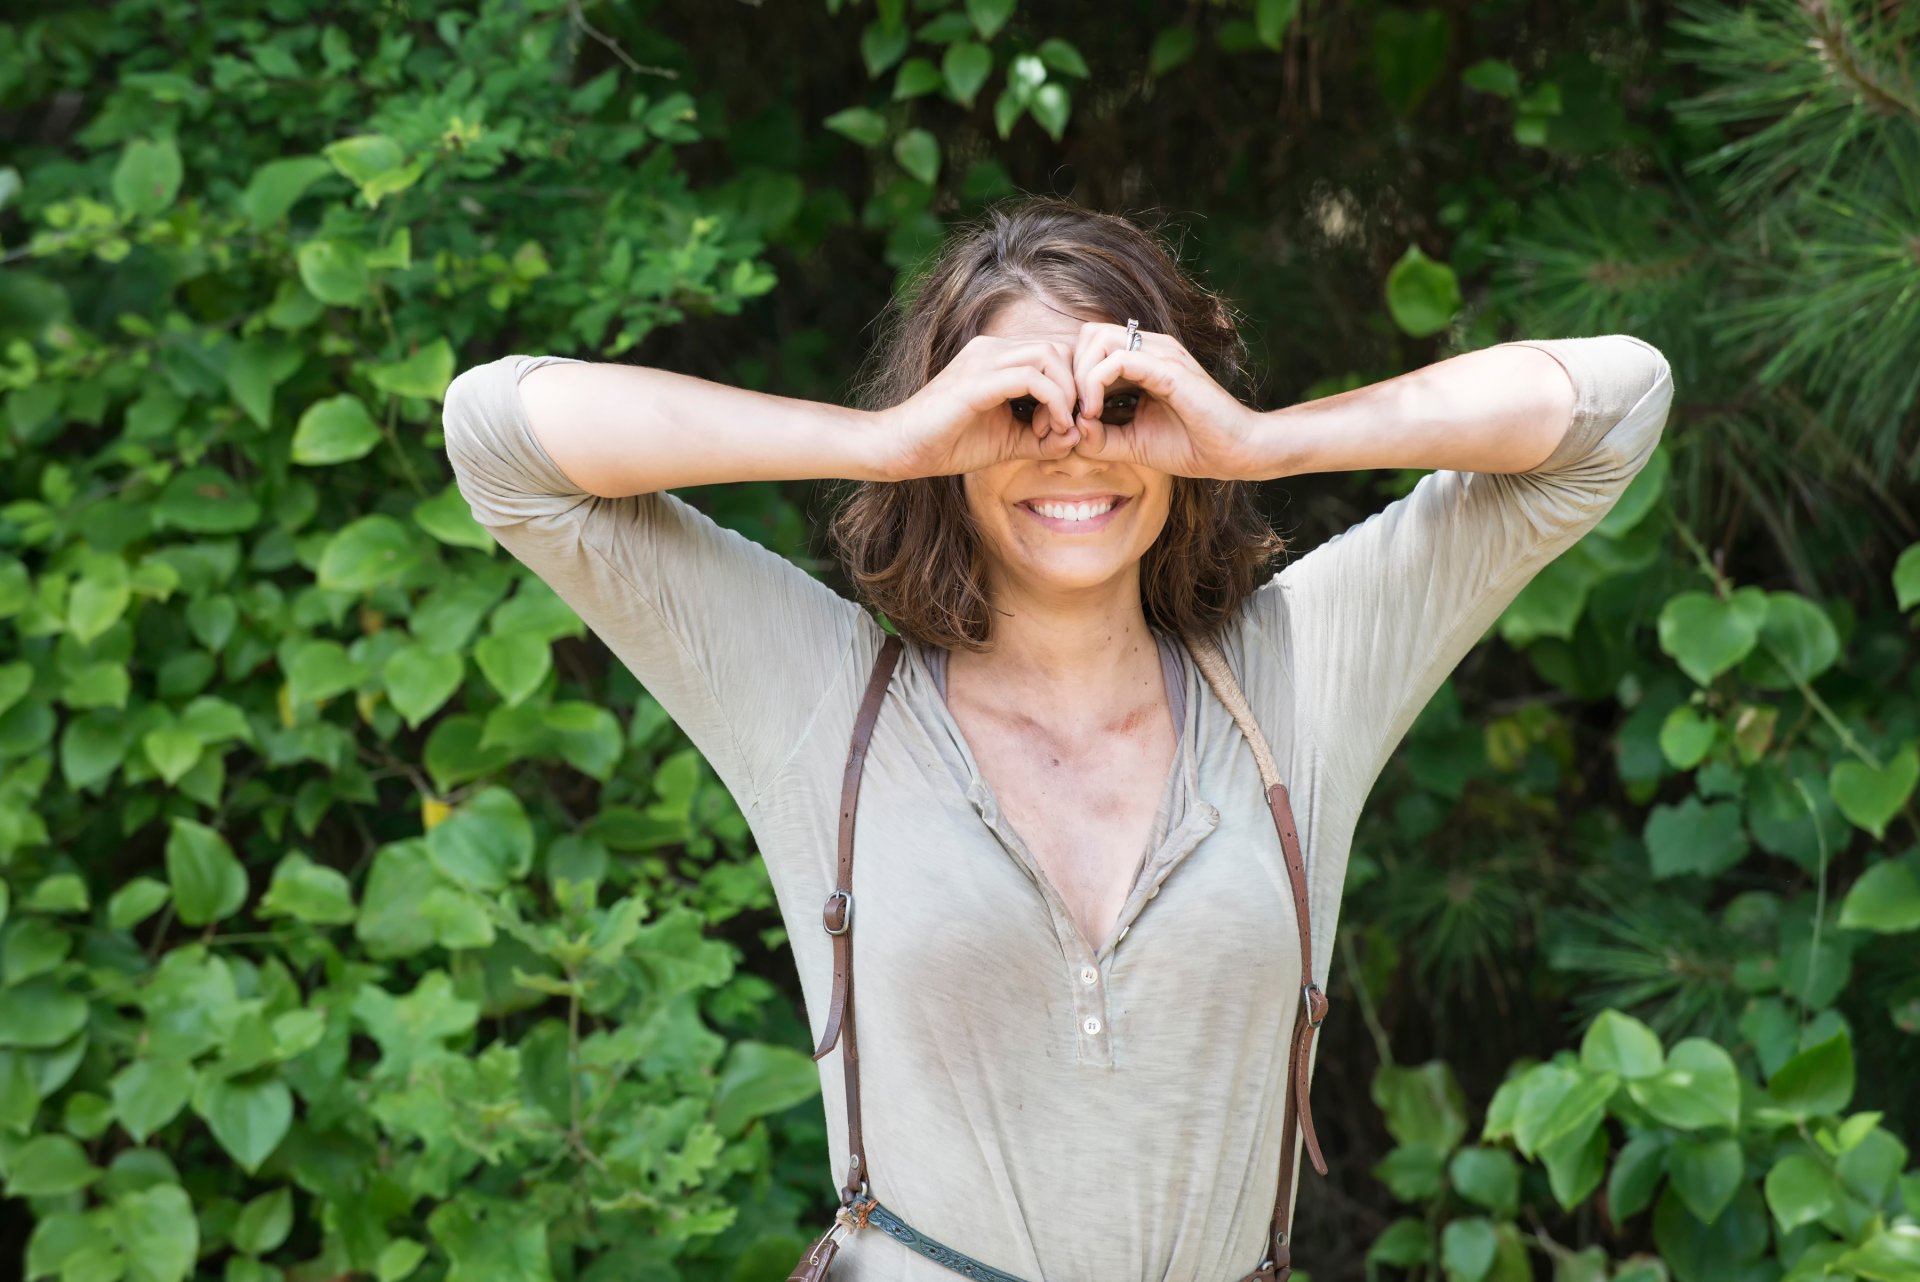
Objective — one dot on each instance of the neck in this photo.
(1087, 659)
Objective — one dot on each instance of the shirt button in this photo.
(1092, 1025)
(1088, 975)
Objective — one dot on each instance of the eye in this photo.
(1023, 407)
(1118, 409)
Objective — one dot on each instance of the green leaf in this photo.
(1271, 19)
(989, 15)
(63, 892)
(1063, 57)
(334, 271)
(136, 901)
(1636, 1174)
(1422, 295)
(424, 375)
(146, 181)
(1621, 1045)
(966, 66)
(919, 154)
(1706, 635)
(1172, 47)
(1559, 1103)
(308, 892)
(398, 1259)
(413, 1029)
(760, 1079)
(1487, 1177)
(375, 163)
(1706, 1173)
(390, 924)
(1798, 642)
(319, 669)
(1007, 110)
(48, 1165)
(149, 1093)
(208, 882)
(1423, 1104)
(1412, 1172)
(1686, 737)
(1467, 1248)
(39, 1014)
(1695, 837)
(172, 749)
(420, 681)
(1407, 1243)
(1698, 1088)
(1800, 1190)
(1576, 1165)
(514, 664)
(1051, 105)
(862, 124)
(1885, 899)
(1870, 797)
(277, 185)
(368, 553)
(1709, 1252)
(95, 604)
(1816, 1082)
(447, 518)
(33, 946)
(1491, 75)
(248, 1117)
(881, 46)
(917, 76)
(335, 430)
(486, 844)
(1891, 1255)
(158, 1232)
(264, 1223)
(1906, 578)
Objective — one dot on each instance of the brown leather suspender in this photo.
(856, 1200)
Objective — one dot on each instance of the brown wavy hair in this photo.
(911, 549)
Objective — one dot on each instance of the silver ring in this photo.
(1133, 335)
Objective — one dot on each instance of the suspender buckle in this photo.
(1316, 1003)
(845, 920)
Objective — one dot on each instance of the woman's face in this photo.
(1032, 515)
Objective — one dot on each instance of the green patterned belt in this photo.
(965, 1265)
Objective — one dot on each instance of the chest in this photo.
(1083, 806)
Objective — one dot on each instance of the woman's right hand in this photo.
(964, 419)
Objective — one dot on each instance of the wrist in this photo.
(880, 456)
(1272, 445)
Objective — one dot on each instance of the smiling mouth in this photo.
(1080, 514)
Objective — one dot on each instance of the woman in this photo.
(1078, 965)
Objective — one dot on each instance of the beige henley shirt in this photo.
(1060, 1109)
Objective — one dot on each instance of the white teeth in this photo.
(1073, 511)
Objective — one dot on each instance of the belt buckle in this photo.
(846, 915)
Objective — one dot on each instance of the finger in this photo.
(1053, 362)
(1055, 445)
(1156, 375)
(1028, 380)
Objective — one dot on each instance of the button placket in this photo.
(1089, 987)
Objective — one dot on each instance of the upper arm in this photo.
(1374, 619)
(739, 645)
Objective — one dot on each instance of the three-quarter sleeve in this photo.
(739, 645)
(1372, 621)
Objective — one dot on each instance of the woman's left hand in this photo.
(1166, 413)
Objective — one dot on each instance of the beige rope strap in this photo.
(1213, 665)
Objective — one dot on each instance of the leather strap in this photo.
(837, 917)
(1313, 1003)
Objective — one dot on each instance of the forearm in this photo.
(1501, 409)
(616, 430)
